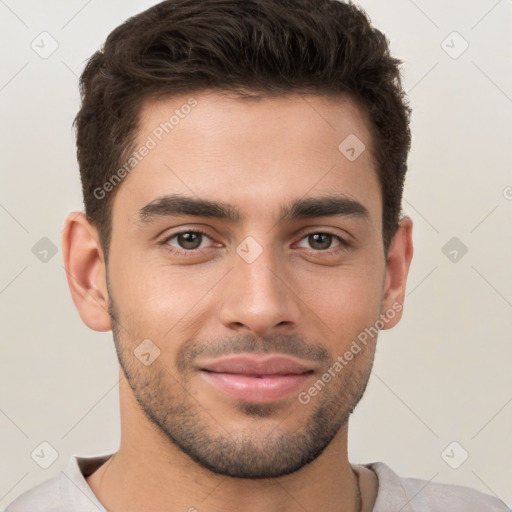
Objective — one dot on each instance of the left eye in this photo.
(323, 241)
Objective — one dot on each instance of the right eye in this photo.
(188, 241)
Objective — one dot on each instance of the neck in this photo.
(153, 475)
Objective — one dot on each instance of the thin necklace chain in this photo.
(359, 497)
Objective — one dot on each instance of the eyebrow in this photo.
(323, 206)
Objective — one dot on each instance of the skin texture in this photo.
(184, 443)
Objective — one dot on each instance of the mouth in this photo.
(257, 379)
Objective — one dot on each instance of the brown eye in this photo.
(189, 240)
(323, 241)
(320, 241)
(186, 240)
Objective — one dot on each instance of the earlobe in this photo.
(397, 268)
(85, 271)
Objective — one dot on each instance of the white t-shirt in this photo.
(68, 491)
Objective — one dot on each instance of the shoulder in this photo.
(63, 492)
(419, 495)
(44, 497)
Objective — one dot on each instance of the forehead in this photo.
(254, 153)
(222, 114)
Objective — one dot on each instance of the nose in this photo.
(259, 296)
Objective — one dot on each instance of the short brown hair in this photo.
(266, 46)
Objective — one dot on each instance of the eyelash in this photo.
(343, 244)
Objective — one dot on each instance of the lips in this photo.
(274, 365)
(257, 379)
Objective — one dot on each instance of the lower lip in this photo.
(257, 389)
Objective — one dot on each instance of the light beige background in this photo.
(442, 375)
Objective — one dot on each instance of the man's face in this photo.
(257, 286)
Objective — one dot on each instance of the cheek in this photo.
(159, 301)
(350, 313)
(347, 299)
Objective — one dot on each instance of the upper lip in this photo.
(250, 365)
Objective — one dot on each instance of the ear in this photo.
(85, 271)
(397, 268)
